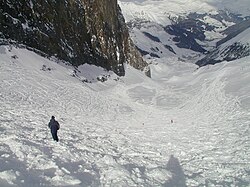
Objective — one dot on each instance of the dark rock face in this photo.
(143, 52)
(185, 32)
(78, 31)
(170, 48)
(154, 38)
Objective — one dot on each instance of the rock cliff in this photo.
(77, 31)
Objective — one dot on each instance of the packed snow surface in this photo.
(184, 127)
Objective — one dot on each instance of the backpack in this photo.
(58, 126)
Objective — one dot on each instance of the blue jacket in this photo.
(54, 125)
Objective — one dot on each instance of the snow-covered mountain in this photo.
(236, 45)
(183, 127)
(155, 10)
(235, 48)
(186, 30)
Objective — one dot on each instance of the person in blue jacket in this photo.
(54, 127)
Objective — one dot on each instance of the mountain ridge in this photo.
(187, 31)
(230, 49)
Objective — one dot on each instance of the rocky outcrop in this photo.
(234, 31)
(231, 52)
(235, 46)
(77, 31)
(186, 32)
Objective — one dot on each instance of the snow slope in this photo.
(118, 132)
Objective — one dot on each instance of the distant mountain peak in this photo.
(187, 30)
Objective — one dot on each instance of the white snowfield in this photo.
(119, 133)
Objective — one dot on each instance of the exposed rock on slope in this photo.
(78, 31)
(235, 46)
(234, 31)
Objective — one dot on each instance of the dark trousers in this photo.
(54, 136)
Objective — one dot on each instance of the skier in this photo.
(54, 127)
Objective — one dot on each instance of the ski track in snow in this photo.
(121, 136)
